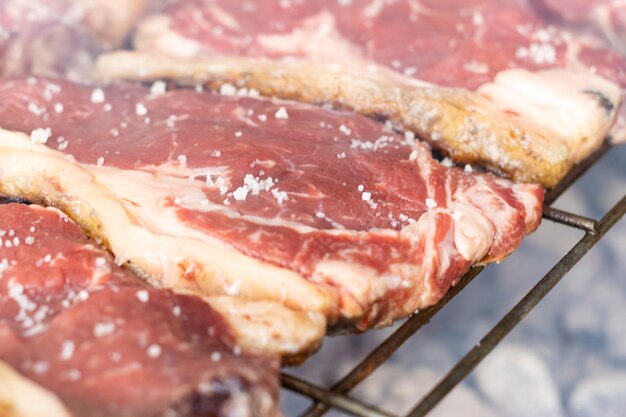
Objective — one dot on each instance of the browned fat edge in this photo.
(458, 130)
(89, 223)
(6, 410)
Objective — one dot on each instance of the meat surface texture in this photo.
(85, 337)
(488, 82)
(62, 37)
(607, 17)
(320, 210)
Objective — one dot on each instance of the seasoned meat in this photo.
(320, 210)
(94, 340)
(488, 82)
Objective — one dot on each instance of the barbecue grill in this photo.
(337, 396)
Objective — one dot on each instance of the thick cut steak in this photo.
(62, 37)
(522, 96)
(321, 210)
(263, 326)
(96, 341)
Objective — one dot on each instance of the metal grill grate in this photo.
(336, 396)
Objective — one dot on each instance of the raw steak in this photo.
(61, 37)
(541, 99)
(321, 210)
(608, 17)
(96, 341)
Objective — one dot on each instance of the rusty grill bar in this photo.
(337, 396)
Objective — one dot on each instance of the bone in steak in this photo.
(96, 341)
(535, 108)
(321, 210)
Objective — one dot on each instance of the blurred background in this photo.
(567, 358)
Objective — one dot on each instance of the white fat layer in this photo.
(270, 326)
(154, 33)
(529, 199)
(357, 282)
(566, 104)
(473, 234)
(317, 37)
(425, 229)
(25, 398)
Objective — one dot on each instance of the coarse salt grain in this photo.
(154, 351)
(35, 109)
(67, 350)
(281, 196)
(143, 296)
(40, 135)
(410, 71)
(103, 329)
(141, 109)
(158, 88)
(240, 193)
(447, 162)
(228, 90)
(478, 19)
(97, 96)
(281, 113)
